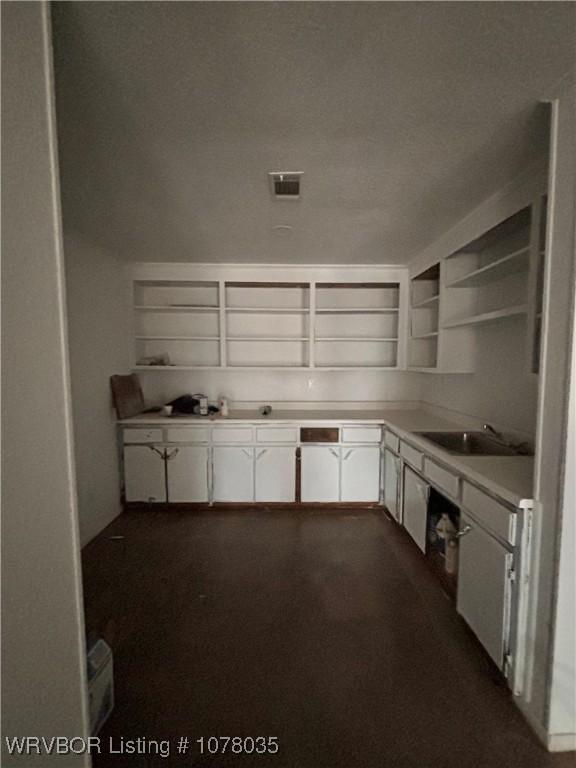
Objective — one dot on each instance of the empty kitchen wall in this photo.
(98, 322)
(279, 387)
(502, 391)
(43, 660)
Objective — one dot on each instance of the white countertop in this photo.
(509, 477)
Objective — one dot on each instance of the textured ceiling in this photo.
(401, 115)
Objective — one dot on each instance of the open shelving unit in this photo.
(177, 319)
(424, 312)
(273, 325)
(487, 279)
(356, 325)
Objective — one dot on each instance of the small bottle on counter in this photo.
(224, 407)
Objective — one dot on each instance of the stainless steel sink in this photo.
(470, 444)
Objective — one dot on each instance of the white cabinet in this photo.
(233, 473)
(392, 471)
(187, 471)
(320, 476)
(275, 473)
(360, 473)
(415, 511)
(144, 473)
(484, 587)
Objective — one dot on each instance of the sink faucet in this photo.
(490, 428)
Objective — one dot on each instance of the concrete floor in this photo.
(324, 629)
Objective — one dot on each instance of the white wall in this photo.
(43, 669)
(284, 386)
(563, 688)
(98, 320)
(502, 392)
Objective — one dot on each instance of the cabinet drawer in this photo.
(319, 434)
(392, 441)
(232, 435)
(188, 435)
(361, 434)
(441, 477)
(142, 435)
(495, 516)
(277, 435)
(411, 455)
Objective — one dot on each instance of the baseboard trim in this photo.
(561, 742)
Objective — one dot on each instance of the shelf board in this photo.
(174, 308)
(510, 264)
(426, 302)
(430, 335)
(489, 317)
(177, 338)
(355, 310)
(270, 310)
(307, 368)
(267, 338)
(177, 367)
(357, 338)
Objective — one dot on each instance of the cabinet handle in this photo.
(333, 452)
(262, 452)
(247, 452)
(464, 532)
(172, 454)
(161, 453)
(350, 452)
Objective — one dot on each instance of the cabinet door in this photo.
(320, 473)
(144, 477)
(187, 468)
(360, 473)
(276, 473)
(416, 492)
(233, 468)
(391, 483)
(484, 587)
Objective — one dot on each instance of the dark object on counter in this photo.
(127, 395)
(185, 404)
(266, 410)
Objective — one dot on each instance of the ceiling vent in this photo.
(285, 185)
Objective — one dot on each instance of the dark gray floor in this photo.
(324, 629)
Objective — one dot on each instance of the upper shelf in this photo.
(175, 308)
(356, 310)
(488, 317)
(512, 263)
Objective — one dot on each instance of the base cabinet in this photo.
(144, 473)
(360, 474)
(275, 473)
(392, 471)
(415, 512)
(187, 472)
(485, 587)
(233, 473)
(320, 476)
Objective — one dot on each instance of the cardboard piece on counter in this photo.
(127, 395)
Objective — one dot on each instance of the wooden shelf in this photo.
(510, 264)
(357, 338)
(177, 338)
(270, 310)
(267, 338)
(175, 308)
(355, 310)
(426, 302)
(489, 317)
(429, 335)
